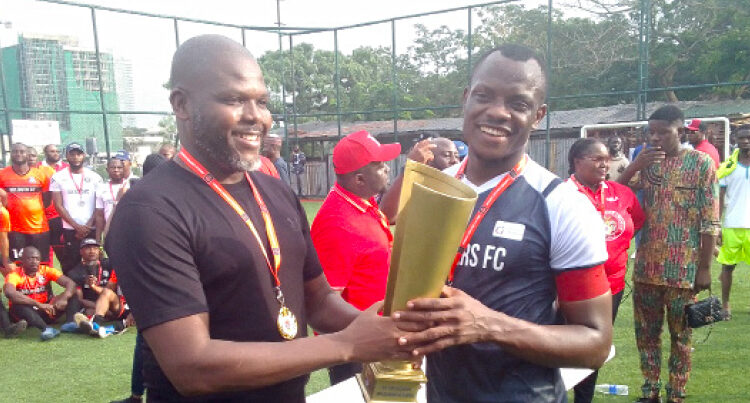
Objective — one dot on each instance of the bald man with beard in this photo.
(217, 262)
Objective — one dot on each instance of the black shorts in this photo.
(18, 240)
(55, 231)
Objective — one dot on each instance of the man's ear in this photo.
(178, 98)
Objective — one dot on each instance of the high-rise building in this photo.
(52, 73)
(125, 93)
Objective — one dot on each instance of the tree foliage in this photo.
(691, 42)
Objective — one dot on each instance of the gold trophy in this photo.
(434, 210)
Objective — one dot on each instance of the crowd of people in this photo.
(194, 249)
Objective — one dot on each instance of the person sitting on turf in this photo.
(97, 292)
(29, 298)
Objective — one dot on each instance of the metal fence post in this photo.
(469, 49)
(101, 83)
(6, 111)
(294, 88)
(337, 77)
(547, 139)
(394, 80)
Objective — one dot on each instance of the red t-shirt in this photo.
(623, 216)
(50, 211)
(709, 149)
(354, 242)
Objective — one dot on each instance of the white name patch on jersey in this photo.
(509, 230)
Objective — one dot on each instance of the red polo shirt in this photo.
(354, 244)
(709, 149)
(623, 216)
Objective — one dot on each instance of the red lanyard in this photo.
(504, 183)
(198, 169)
(79, 188)
(599, 206)
(112, 192)
(381, 216)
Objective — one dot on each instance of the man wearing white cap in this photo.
(272, 151)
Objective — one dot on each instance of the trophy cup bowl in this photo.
(434, 209)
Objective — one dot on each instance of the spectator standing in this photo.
(53, 163)
(351, 235)
(108, 194)
(29, 298)
(33, 156)
(167, 151)
(673, 260)
(127, 163)
(298, 166)
(272, 151)
(734, 179)
(617, 159)
(696, 136)
(25, 187)
(588, 160)
(74, 194)
(444, 153)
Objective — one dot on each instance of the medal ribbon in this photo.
(79, 188)
(501, 186)
(198, 169)
(599, 206)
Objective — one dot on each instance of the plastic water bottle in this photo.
(608, 389)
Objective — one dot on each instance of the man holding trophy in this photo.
(529, 294)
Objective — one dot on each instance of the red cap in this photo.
(694, 125)
(359, 149)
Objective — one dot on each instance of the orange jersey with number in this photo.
(25, 203)
(34, 287)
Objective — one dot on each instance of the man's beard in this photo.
(216, 146)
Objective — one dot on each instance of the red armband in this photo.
(582, 284)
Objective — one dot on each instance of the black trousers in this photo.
(4, 319)
(40, 319)
(72, 249)
(584, 391)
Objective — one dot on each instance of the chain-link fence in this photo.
(395, 77)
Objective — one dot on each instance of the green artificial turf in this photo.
(78, 368)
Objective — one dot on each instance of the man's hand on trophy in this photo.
(371, 337)
(454, 319)
(422, 152)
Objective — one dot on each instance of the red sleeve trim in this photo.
(582, 284)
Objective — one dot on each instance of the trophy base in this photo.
(381, 383)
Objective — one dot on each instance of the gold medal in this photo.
(287, 323)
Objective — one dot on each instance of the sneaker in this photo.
(70, 327)
(105, 331)
(80, 318)
(16, 328)
(86, 326)
(49, 334)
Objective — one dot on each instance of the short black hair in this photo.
(703, 127)
(514, 51)
(742, 128)
(578, 149)
(152, 161)
(669, 113)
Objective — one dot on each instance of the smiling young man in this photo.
(217, 263)
(673, 261)
(529, 293)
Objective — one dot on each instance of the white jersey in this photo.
(737, 198)
(106, 196)
(78, 193)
